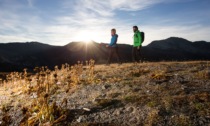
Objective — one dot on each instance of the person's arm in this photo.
(113, 40)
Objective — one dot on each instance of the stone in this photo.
(117, 112)
(133, 120)
(79, 119)
(86, 109)
(105, 87)
(130, 109)
(33, 96)
(103, 95)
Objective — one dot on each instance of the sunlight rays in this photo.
(85, 36)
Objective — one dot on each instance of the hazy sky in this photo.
(59, 22)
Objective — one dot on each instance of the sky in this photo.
(58, 22)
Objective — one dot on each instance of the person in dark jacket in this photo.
(137, 43)
(113, 48)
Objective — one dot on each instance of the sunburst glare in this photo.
(86, 36)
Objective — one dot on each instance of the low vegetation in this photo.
(164, 93)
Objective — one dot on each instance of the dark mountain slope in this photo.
(16, 56)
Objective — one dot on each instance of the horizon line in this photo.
(95, 41)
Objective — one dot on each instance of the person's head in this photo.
(113, 31)
(135, 28)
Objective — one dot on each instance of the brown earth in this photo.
(163, 93)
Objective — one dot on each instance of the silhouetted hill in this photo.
(14, 49)
(177, 49)
(16, 56)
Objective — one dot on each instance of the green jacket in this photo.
(137, 40)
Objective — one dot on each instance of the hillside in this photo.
(178, 49)
(164, 93)
(16, 56)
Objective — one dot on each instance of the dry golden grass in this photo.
(43, 84)
(176, 90)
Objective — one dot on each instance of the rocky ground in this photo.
(163, 93)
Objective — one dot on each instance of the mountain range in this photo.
(16, 56)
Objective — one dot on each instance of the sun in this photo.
(86, 36)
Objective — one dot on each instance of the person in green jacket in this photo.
(137, 43)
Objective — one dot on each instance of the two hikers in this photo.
(138, 39)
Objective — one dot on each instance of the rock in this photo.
(183, 87)
(105, 87)
(79, 119)
(118, 112)
(130, 109)
(86, 109)
(33, 96)
(103, 95)
(133, 120)
(94, 100)
(58, 83)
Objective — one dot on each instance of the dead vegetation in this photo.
(41, 87)
(165, 93)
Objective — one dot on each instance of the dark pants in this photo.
(112, 51)
(136, 54)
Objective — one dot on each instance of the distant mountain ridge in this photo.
(178, 49)
(16, 56)
(180, 43)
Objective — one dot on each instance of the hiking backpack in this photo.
(142, 36)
